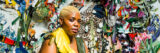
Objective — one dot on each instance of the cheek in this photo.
(68, 25)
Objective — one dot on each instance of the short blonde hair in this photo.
(67, 10)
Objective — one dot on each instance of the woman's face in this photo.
(71, 23)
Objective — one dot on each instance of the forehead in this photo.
(75, 15)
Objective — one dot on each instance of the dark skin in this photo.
(71, 25)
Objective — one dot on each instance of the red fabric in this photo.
(9, 41)
(23, 42)
(127, 26)
(132, 35)
(133, 5)
(82, 3)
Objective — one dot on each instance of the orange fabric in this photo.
(52, 9)
(133, 5)
(27, 3)
(31, 32)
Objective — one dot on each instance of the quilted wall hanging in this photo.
(106, 26)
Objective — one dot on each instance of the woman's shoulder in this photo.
(48, 46)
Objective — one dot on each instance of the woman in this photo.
(63, 39)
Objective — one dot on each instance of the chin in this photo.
(74, 34)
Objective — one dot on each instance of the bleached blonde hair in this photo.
(67, 11)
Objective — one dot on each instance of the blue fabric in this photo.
(18, 1)
(100, 12)
(22, 8)
(21, 49)
(6, 50)
(156, 35)
(7, 31)
(151, 28)
(22, 4)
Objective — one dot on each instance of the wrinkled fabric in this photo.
(62, 41)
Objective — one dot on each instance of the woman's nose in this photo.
(76, 24)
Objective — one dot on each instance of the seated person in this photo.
(63, 39)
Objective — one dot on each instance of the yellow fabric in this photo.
(106, 11)
(62, 41)
(25, 17)
(13, 3)
(7, 2)
(19, 14)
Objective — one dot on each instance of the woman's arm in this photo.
(46, 48)
(85, 47)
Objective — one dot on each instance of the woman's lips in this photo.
(75, 30)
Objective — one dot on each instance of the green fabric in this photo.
(104, 27)
(80, 45)
(118, 1)
(14, 21)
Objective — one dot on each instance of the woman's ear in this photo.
(61, 20)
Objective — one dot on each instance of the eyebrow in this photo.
(74, 18)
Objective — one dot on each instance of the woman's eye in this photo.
(71, 20)
(79, 21)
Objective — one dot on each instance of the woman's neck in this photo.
(71, 38)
